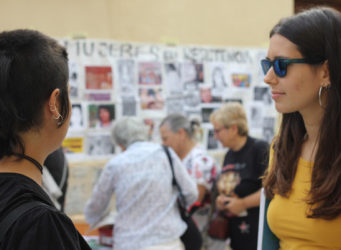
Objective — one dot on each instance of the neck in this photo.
(13, 164)
(35, 147)
(312, 123)
(239, 143)
(187, 146)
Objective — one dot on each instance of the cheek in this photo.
(220, 137)
(167, 142)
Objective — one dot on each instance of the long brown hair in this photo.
(317, 33)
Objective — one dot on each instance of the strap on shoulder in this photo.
(15, 214)
(175, 183)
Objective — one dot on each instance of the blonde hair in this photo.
(231, 113)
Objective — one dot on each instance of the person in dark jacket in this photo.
(34, 111)
(58, 167)
(239, 183)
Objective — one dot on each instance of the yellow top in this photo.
(288, 221)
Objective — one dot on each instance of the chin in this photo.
(284, 109)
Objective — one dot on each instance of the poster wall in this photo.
(110, 79)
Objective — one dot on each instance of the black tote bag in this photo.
(192, 238)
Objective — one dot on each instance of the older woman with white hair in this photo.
(141, 178)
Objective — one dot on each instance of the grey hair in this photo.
(128, 130)
(178, 121)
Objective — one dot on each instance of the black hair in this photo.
(317, 35)
(108, 107)
(32, 65)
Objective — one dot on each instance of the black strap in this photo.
(175, 183)
(36, 163)
(15, 214)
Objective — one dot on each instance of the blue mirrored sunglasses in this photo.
(280, 65)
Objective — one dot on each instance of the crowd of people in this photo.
(299, 171)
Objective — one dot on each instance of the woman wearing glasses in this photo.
(239, 183)
(304, 176)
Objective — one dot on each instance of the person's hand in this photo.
(221, 202)
(234, 205)
(231, 204)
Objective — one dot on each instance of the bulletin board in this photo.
(110, 79)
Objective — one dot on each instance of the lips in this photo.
(276, 94)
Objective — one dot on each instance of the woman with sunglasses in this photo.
(304, 177)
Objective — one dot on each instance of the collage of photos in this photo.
(102, 92)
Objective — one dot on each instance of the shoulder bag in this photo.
(192, 238)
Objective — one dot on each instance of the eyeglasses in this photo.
(280, 65)
(217, 131)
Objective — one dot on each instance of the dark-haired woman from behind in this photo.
(35, 115)
(303, 181)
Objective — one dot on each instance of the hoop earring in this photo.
(320, 94)
(59, 117)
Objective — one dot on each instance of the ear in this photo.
(54, 104)
(181, 132)
(234, 128)
(325, 79)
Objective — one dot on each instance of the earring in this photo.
(59, 117)
(320, 101)
(320, 94)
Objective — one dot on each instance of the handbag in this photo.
(192, 238)
(219, 227)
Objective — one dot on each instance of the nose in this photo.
(215, 136)
(270, 77)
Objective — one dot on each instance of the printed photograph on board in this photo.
(175, 105)
(150, 73)
(151, 98)
(206, 94)
(101, 115)
(268, 129)
(99, 144)
(218, 73)
(173, 82)
(192, 75)
(212, 143)
(241, 80)
(263, 94)
(206, 112)
(77, 120)
(256, 115)
(74, 79)
(129, 106)
(73, 145)
(126, 77)
(97, 96)
(98, 77)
